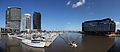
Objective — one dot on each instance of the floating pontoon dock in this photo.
(53, 38)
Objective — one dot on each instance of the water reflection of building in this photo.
(13, 17)
(106, 26)
(11, 44)
(96, 44)
(37, 21)
(15, 45)
(26, 22)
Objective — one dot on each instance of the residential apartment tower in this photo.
(13, 17)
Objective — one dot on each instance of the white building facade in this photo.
(26, 22)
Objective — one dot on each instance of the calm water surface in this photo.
(116, 46)
(85, 44)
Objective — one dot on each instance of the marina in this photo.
(49, 38)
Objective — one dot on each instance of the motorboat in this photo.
(10, 34)
(33, 44)
(34, 41)
(73, 44)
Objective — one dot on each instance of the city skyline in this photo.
(64, 14)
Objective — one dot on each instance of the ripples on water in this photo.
(85, 44)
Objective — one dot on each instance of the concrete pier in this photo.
(51, 41)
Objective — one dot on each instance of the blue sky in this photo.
(65, 14)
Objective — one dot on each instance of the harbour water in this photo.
(85, 44)
(116, 46)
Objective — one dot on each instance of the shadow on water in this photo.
(85, 44)
(116, 46)
(2, 45)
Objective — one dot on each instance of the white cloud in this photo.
(68, 3)
(117, 23)
(68, 23)
(79, 3)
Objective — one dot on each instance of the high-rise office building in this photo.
(26, 22)
(37, 21)
(13, 17)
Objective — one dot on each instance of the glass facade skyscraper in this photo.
(13, 17)
(37, 21)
